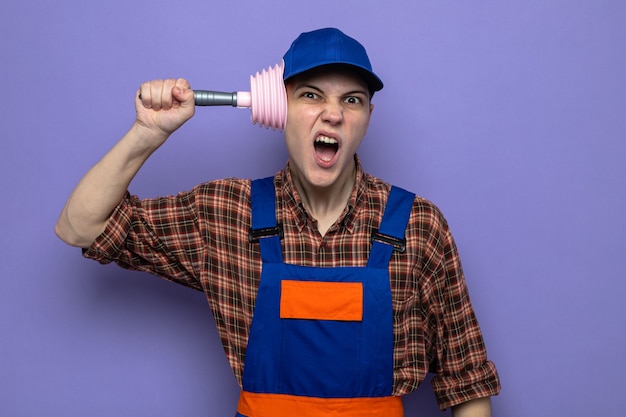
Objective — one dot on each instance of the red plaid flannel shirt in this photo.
(200, 239)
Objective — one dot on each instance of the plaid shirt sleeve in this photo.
(160, 236)
(458, 355)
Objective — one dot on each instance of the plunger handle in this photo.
(218, 98)
(214, 98)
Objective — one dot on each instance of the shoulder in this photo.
(227, 190)
(423, 210)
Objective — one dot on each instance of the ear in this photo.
(371, 108)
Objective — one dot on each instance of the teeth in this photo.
(326, 139)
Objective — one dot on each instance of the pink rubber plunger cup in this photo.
(266, 99)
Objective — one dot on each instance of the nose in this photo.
(332, 113)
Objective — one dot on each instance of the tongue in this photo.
(325, 152)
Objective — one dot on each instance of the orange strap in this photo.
(318, 300)
(282, 405)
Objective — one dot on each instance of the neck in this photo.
(325, 204)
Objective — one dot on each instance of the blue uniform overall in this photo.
(321, 341)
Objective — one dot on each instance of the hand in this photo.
(164, 105)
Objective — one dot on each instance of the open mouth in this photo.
(326, 148)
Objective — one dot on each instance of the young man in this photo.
(333, 292)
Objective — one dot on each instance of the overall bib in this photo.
(321, 341)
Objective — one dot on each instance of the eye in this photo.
(353, 100)
(310, 95)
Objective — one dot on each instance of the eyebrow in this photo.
(316, 88)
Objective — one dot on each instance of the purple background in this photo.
(511, 116)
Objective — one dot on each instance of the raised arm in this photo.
(162, 106)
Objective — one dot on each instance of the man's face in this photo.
(328, 115)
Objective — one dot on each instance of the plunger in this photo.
(266, 99)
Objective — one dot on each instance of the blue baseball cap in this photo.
(329, 46)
